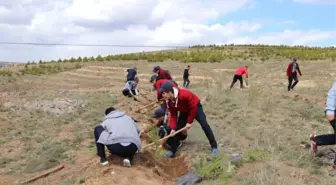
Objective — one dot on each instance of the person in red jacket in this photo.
(239, 76)
(163, 74)
(291, 72)
(184, 107)
(157, 83)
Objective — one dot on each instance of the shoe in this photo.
(103, 161)
(169, 154)
(313, 144)
(127, 163)
(214, 151)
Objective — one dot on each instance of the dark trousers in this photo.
(115, 149)
(164, 130)
(327, 139)
(186, 82)
(234, 80)
(201, 119)
(127, 92)
(290, 81)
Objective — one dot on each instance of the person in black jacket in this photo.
(186, 81)
(131, 73)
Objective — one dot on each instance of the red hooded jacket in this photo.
(164, 74)
(290, 68)
(158, 85)
(186, 102)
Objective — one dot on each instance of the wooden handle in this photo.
(164, 138)
(140, 108)
(59, 167)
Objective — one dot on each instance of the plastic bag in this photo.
(189, 179)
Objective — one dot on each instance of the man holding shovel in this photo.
(184, 107)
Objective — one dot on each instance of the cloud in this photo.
(316, 1)
(132, 22)
(289, 37)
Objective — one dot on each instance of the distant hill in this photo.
(4, 64)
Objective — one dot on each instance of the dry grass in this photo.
(49, 119)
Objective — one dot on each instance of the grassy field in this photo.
(48, 112)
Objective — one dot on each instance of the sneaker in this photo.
(127, 163)
(103, 161)
(169, 154)
(214, 151)
(313, 144)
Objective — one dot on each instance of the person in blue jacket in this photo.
(330, 110)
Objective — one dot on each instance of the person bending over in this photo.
(120, 134)
(188, 106)
(239, 76)
(131, 89)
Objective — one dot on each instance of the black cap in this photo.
(166, 87)
(154, 77)
(158, 113)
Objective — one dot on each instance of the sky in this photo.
(158, 23)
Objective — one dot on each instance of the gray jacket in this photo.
(119, 128)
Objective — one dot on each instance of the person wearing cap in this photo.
(162, 74)
(160, 119)
(153, 80)
(131, 74)
(130, 88)
(239, 76)
(186, 74)
(291, 73)
(120, 134)
(157, 83)
(184, 107)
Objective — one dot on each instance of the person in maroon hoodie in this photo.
(291, 72)
(184, 107)
(157, 83)
(162, 74)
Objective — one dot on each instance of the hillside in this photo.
(48, 111)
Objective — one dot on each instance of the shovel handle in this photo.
(182, 129)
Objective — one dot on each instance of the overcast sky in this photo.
(158, 22)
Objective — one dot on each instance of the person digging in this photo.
(184, 107)
(157, 83)
(160, 119)
(161, 73)
(130, 89)
(239, 76)
(120, 134)
(131, 74)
